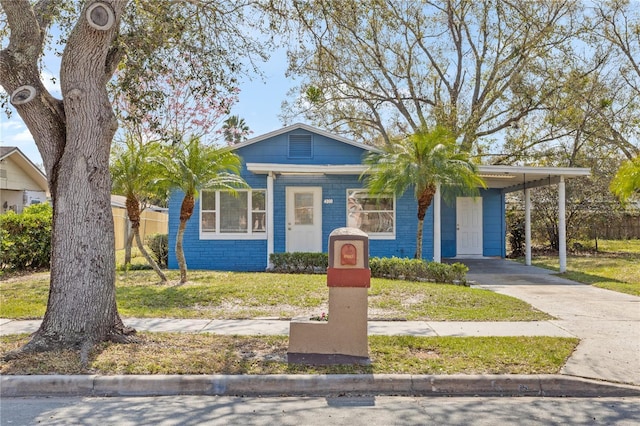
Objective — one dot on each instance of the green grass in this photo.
(230, 295)
(172, 353)
(615, 266)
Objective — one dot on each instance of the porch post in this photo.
(270, 179)
(437, 240)
(527, 225)
(562, 230)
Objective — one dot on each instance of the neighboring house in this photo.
(305, 183)
(22, 183)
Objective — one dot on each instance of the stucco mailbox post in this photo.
(343, 338)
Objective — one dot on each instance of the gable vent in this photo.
(300, 146)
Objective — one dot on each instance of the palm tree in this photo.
(133, 174)
(626, 182)
(192, 166)
(235, 130)
(423, 160)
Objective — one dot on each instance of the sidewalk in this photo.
(281, 327)
(606, 362)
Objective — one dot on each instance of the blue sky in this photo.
(259, 104)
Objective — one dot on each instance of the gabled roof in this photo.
(308, 128)
(26, 165)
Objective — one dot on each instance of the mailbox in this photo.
(348, 258)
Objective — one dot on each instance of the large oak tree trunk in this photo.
(75, 144)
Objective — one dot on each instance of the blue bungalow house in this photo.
(305, 182)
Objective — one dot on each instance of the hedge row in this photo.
(381, 267)
(299, 262)
(25, 238)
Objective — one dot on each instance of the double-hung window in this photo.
(373, 214)
(227, 215)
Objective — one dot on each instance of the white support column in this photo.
(527, 226)
(562, 227)
(270, 179)
(437, 239)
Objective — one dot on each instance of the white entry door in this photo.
(304, 219)
(469, 226)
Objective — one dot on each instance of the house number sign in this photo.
(348, 255)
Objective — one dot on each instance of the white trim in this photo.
(270, 234)
(437, 233)
(375, 235)
(562, 227)
(249, 235)
(308, 128)
(527, 226)
(227, 236)
(306, 169)
(534, 171)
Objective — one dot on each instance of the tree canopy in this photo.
(109, 46)
(387, 68)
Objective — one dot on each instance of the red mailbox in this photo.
(348, 255)
(348, 259)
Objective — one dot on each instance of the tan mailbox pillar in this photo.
(343, 338)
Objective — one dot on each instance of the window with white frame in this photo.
(373, 214)
(223, 213)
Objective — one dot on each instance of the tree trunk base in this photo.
(41, 341)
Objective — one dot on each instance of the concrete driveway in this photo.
(607, 322)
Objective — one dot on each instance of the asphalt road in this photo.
(352, 411)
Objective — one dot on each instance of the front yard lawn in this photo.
(615, 266)
(172, 353)
(229, 295)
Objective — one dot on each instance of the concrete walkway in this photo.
(608, 324)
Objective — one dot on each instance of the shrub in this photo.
(516, 233)
(299, 262)
(418, 270)
(381, 267)
(25, 238)
(159, 245)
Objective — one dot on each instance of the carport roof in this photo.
(515, 178)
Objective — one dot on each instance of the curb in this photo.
(312, 385)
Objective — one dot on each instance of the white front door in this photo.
(304, 219)
(469, 226)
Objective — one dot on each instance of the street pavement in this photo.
(319, 411)
(606, 362)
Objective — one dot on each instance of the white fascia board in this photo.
(309, 129)
(343, 169)
(529, 170)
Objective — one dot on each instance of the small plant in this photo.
(159, 245)
(321, 317)
(516, 234)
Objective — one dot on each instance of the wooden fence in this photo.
(150, 223)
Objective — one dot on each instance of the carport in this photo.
(509, 179)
